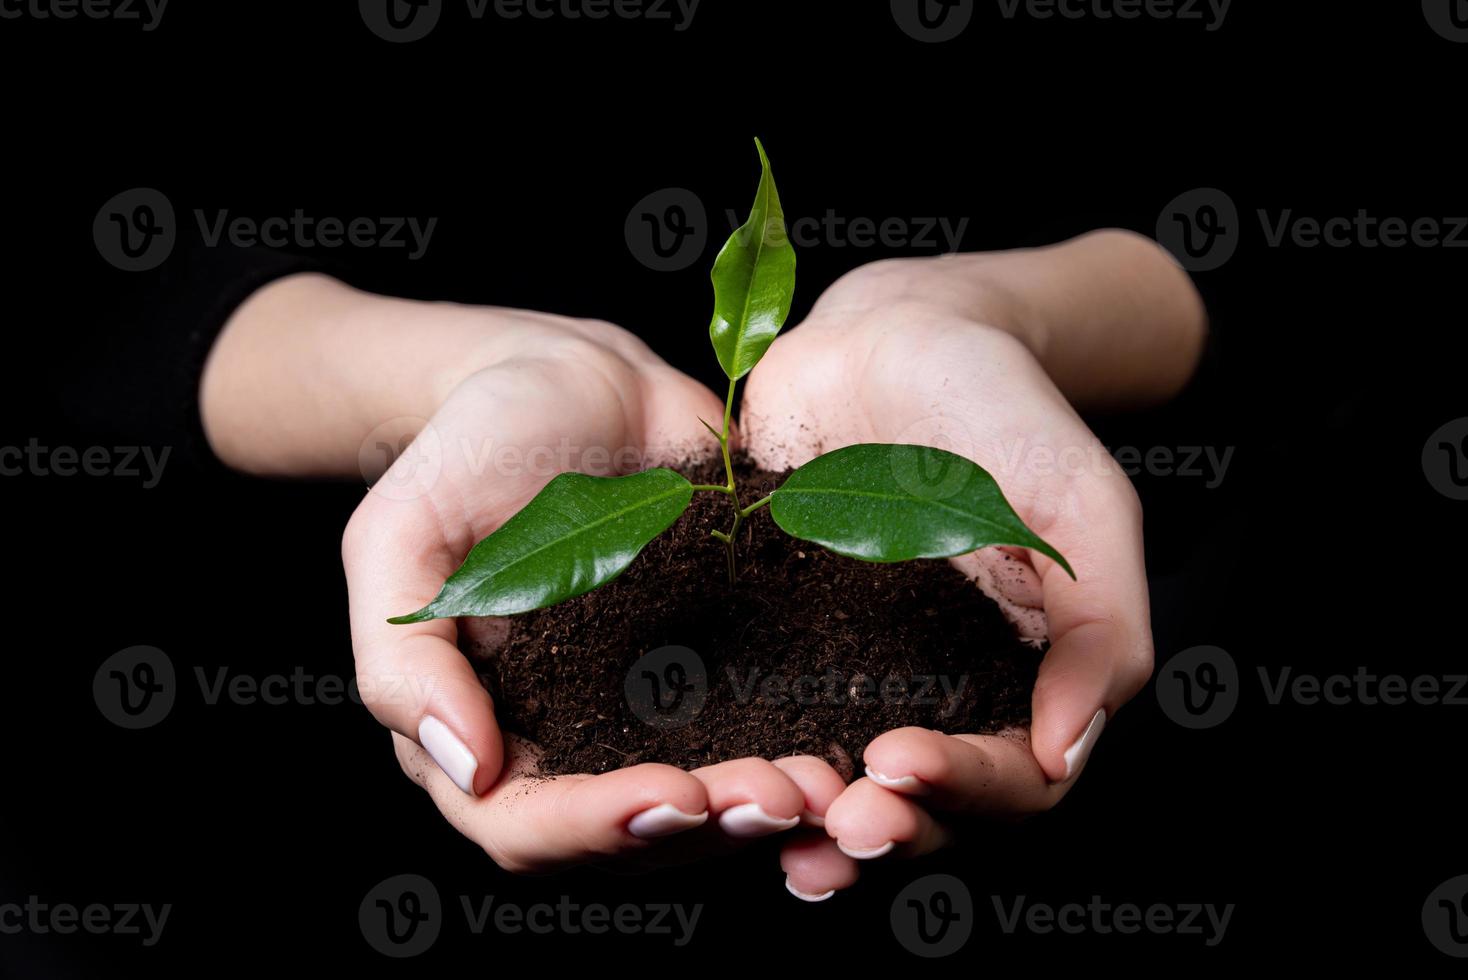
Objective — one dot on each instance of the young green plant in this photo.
(877, 503)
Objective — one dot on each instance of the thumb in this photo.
(413, 678)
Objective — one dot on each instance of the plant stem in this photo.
(732, 490)
(756, 505)
(724, 439)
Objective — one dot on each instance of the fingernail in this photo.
(662, 820)
(452, 755)
(812, 819)
(805, 896)
(1076, 755)
(869, 853)
(907, 784)
(750, 820)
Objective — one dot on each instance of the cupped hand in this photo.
(883, 358)
(557, 394)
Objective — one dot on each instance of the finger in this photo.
(413, 678)
(977, 775)
(1101, 638)
(868, 821)
(815, 869)
(531, 824)
(817, 781)
(751, 797)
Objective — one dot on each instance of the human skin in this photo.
(309, 374)
(985, 355)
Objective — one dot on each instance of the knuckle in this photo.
(871, 284)
(508, 859)
(354, 535)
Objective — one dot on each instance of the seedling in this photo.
(878, 503)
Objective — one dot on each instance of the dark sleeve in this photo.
(137, 381)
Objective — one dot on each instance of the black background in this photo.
(1324, 549)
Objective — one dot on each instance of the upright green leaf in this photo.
(893, 503)
(754, 280)
(578, 533)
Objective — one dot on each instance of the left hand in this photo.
(875, 364)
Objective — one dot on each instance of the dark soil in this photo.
(809, 653)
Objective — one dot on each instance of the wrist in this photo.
(308, 366)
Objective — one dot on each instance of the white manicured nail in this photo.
(907, 784)
(869, 853)
(1075, 756)
(812, 819)
(663, 820)
(452, 755)
(750, 820)
(804, 896)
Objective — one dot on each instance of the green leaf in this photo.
(754, 280)
(578, 533)
(894, 503)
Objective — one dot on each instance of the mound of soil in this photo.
(807, 653)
